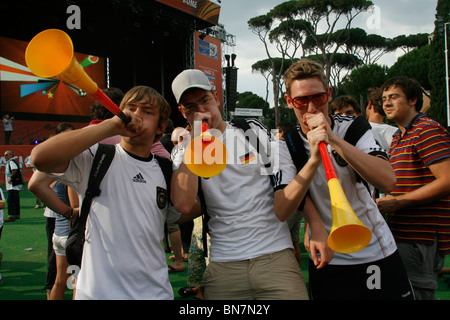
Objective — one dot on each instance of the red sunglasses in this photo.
(316, 99)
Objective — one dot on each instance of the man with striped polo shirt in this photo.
(419, 207)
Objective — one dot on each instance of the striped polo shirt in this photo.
(424, 142)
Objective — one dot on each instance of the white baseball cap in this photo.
(191, 78)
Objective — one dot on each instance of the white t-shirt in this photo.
(10, 166)
(239, 201)
(123, 257)
(382, 243)
(383, 134)
(49, 213)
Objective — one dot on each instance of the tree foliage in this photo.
(407, 43)
(438, 109)
(313, 29)
(361, 79)
(415, 64)
(368, 48)
(252, 101)
(287, 39)
(276, 65)
(292, 24)
(341, 61)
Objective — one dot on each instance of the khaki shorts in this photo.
(275, 276)
(172, 227)
(294, 226)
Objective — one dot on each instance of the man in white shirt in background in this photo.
(382, 132)
(13, 200)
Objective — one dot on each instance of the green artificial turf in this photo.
(24, 246)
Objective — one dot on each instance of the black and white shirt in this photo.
(382, 243)
(239, 201)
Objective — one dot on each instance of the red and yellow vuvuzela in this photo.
(348, 234)
(50, 54)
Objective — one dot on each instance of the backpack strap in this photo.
(205, 218)
(356, 130)
(102, 161)
(298, 153)
(241, 123)
(166, 168)
(296, 148)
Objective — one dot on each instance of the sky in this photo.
(397, 17)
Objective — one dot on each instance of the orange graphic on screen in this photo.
(22, 91)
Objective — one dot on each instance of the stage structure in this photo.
(229, 70)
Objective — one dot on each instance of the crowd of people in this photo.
(242, 224)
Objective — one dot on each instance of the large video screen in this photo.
(23, 92)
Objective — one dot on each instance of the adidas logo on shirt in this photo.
(139, 178)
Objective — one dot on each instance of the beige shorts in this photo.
(275, 276)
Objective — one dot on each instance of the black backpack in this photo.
(102, 160)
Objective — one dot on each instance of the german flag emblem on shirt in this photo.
(247, 158)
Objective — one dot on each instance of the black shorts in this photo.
(384, 279)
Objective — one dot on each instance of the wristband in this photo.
(68, 214)
(126, 119)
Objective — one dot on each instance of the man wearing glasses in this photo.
(375, 272)
(13, 199)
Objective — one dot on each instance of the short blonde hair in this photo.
(139, 93)
(304, 69)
